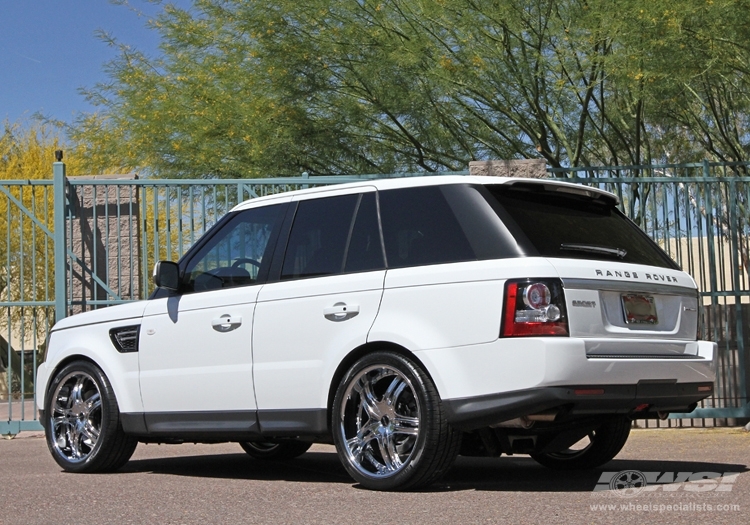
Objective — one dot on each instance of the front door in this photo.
(196, 346)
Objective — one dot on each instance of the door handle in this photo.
(341, 312)
(226, 322)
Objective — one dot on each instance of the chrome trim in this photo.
(627, 286)
(646, 356)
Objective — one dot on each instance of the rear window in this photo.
(573, 227)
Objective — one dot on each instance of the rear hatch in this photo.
(624, 296)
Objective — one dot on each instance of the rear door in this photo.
(444, 286)
(327, 293)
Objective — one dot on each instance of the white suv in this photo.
(406, 321)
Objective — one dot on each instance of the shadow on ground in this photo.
(506, 474)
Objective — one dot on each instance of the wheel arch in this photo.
(62, 364)
(358, 353)
(113, 369)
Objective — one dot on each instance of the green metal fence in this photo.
(73, 244)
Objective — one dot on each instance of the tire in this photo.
(604, 444)
(82, 421)
(389, 426)
(275, 451)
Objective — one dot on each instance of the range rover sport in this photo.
(406, 321)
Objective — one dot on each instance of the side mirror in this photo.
(167, 275)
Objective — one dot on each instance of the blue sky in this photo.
(48, 51)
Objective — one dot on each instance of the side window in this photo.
(420, 228)
(236, 253)
(318, 238)
(365, 251)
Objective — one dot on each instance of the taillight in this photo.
(534, 307)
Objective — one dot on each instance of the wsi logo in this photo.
(631, 483)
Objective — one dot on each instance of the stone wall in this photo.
(525, 168)
(104, 235)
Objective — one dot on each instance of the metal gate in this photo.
(69, 245)
(27, 277)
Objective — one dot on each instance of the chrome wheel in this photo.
(379, 421)
(389, 426)
(76, 418)
(82, 421)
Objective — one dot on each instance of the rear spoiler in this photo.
(563, 187)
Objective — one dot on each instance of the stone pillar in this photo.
(104, 235)
(526, 168)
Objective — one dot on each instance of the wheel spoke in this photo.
(406, 425)
(355, 447)
(91, 432)
(61, 431)
(73, 438)
(94, 402)
(369, 404)
(365, 435)
(382, 469)
(394, 390)
(76, 394)
(388, 452)
(368, 432)
(57, 409)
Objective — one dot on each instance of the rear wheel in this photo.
(389, 427)
(597, 448)
(82, 421)
(278, 451)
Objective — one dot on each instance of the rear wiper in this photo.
(589, 248)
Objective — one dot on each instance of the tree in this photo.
(256, 88)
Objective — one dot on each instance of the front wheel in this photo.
(275, 451)
(82, 421)
(597, 448)
(389, 426)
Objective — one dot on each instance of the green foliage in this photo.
(245, 89)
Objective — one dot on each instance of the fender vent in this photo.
(125, 338)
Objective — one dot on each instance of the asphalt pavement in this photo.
(661, 476)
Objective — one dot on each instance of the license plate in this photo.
(639, 309)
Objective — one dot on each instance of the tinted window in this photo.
(365, 251)
(318, 238)
(569, 226)
(420, 228)
(488, 236)
(234, 255)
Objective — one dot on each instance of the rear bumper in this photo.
(571, 401)
(508, 378)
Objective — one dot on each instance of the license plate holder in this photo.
(639, 309)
